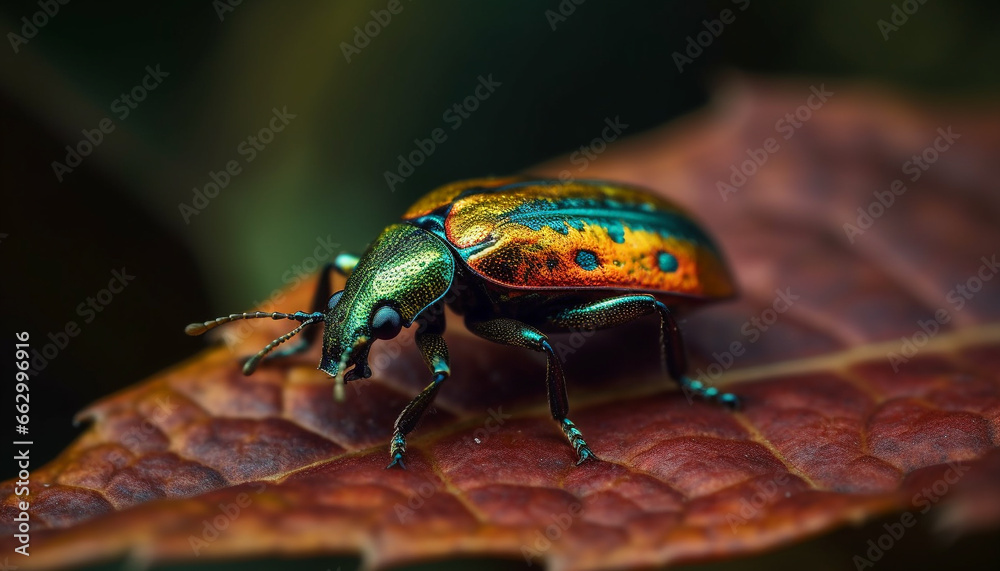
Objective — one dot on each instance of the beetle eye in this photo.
(386, 322)
(334, 299)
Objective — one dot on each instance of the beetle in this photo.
(521, 258)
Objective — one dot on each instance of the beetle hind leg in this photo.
(510, 332)
(675, 362)
(622, 309)
(698, 389)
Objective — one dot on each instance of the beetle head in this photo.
(405, 270)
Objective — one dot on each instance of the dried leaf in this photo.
(843, 421)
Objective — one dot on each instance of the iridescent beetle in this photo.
(521, 258)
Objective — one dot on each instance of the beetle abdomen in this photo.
(524, 234)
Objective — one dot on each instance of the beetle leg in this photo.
(343, 264)
(510, 332)
(435, 352)
(622, 309)
(320, 296)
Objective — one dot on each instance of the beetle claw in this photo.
(584, 454)
(397, 450)
(575, 437)
(694, 388)
(731, 401)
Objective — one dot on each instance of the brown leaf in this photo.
(842, 421)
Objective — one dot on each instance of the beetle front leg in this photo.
(435, 353)
(510, 332)
(622, 309)
(343, 264)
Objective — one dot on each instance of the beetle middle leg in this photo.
(622, 309)
(435, 353)
(511, 332)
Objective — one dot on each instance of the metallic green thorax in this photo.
(405, 267)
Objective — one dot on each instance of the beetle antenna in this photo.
(199, 328)
(251, 365)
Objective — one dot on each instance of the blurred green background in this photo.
(322, 178)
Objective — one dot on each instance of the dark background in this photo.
(323, 176)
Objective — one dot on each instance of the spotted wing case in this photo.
(529, 234)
